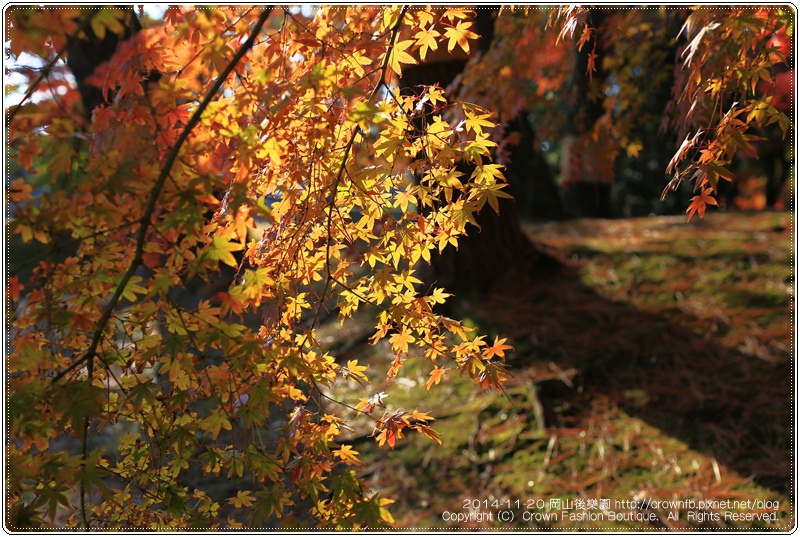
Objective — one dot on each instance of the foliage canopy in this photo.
(188, 239)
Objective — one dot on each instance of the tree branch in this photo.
(45, 72)
(347, 149)
(154, 194)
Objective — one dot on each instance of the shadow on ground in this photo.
(732, 406)
(656, 363)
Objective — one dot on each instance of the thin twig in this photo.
(47, 69)
(335, 186)
(45, 72)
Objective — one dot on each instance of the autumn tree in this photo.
(607, 84)
(603, 85)
(193, 205)
(257, 114)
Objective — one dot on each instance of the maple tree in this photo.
(601, 76)
(242, 174)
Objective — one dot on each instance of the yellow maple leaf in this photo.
(475, 122)
(438, 296)
(348, 455)
(354, 371)
(426, 39)
(435, 95)
(460, 34)
(398, 55)
(634, 148)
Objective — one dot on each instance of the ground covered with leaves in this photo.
(656, 367)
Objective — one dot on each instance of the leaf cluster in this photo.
(197, 232)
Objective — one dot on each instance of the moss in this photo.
(628, 382)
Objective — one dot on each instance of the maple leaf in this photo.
(498, 348)
(436, 376)
(82, 322)
(683, 150)
(216, 422)
(425, 17)
(698, 203)
(400, 341)
(354, 371)
(460, 34)
(19, 191)
(416, 415)
(590, 66)
(107, 19)
(389, 16)
(383, 329)
(430, 433)
(390, 428)
(243, 498)
(272, 150)
(405, 198)
(397, 363)
(299, 414)
(368, 405)
(398, 55)
(475, 122)
(348, 455)
(492, 376)
(491, 193)
(436, 94)
(452, 14)
(426, 39)
(387, 435)
(634, 148)
(406, 279)
(586, 35)
(438, 296)
(221, 250)
(488, 173)
(13, 288)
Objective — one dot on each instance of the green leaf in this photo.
(79, 401)
(107, 19)
(221, 251)
(215, 423)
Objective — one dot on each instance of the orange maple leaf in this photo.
(436, 376)
(590, 66)
(14, 288)
(400, 341)
(585, 37)
(498, 348)
(699, 203)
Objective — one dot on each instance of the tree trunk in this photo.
(530, 179)
(586, 172)
(86, 52)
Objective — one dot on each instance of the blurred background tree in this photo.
(592, 115)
